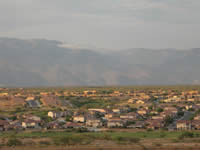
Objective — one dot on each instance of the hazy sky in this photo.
(114, 24)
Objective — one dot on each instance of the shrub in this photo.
(107, 137)
(135, 140)
(149, 129)
(44, 143)
(121, 139)
(72, 140)
(157, 144)
(168, 120)
(14, 142)
(29, 142)
(175, 140)
(159, 110)
(162, 135)
(180, 113)
(186, 135)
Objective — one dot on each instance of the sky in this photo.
(108, 24)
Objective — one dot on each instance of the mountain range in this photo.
(40, 62)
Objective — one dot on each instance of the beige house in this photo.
(116, 110)
(3, 94)
(157, 117)
(188, 107)
(107, 116)
(142, 112)
(131, 115)
(139, 102)
(131, 101)
(197, 117)
(90, 92)
(30, 124)
(154, 112)
(114, 123)
(93, 122)
(97, 110)
(79, 118)
(190, 99)
(44, 93)
(183, 125)
(30, 98)
(53, 114)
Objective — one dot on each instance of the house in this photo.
(32, 117)
(131, 101)
(18, 95)
(93, 122)
(116, 93)
(61, 120)
(155, 124)
(190, 99)
(196, 124)
(157, 118)
(53, 125)
(139, 102)
(109, 115)
(184, 125)
(33, 104)
(172, 109)
(154, 112)
(3, 94)
(142, 111)
(30, 124)
(3, 125)
(54, 114)
(131, 115)
(79, 118)
(30, 98)
(137, 125)
(16, 126)
(116, 110)
(168, 113)
(130, 93)
(44, 93)
(187, 107)
(58, 114)
(197, 98)
(97, 110)
(89, 92)
(114, 123)
(197, 117)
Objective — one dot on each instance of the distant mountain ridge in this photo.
(44, 63)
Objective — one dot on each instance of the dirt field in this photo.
(154, 144)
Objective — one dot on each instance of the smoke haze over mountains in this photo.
(42, 62)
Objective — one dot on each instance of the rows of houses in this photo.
(100, 118)
(150, 109)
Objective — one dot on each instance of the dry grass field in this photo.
(100, 141)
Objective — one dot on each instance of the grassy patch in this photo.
(132, 137)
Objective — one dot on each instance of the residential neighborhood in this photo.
(141, 109)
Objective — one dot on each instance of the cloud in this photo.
(104, 23)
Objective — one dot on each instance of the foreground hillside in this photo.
(140, 117)
(46, 63)
(145, 140)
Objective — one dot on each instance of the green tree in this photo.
(159, 110)
(168, 120)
